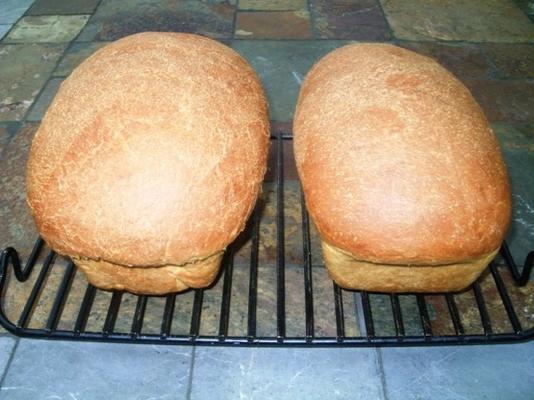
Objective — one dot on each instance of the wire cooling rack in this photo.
(497, 308)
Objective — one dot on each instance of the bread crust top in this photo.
(152, 152)
(397, 160)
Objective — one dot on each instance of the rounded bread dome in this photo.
(397, 161)
(152, 152)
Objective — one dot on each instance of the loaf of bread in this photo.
(149, 161)
(401, 171)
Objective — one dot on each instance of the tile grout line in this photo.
(234, 21)
(517, 4)
(383, 382)
(494, 72)
(390, 28)
(15, 23)
(314, 32)
(191, 371)
(8, 364)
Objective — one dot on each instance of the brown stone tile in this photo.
(466, 61)
(522, 299)
(17, 293)
(512, 60)
(504, 100)
(273, 25)
(293, 234)
(18, 229)
(273, 5)
(342, 19)
(475, 21)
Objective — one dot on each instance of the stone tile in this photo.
(17, 294)
(504, 100)
(114, 19)
(4, 28)
(7, 344)
(66, 370)
(464, 61)
(43, 101)
(527, 6)
(286, 373)
(512, 60)
(47, 29)
(517, 143)
(282, 66)
(521, 297)
(274, 5)
(273, 25)
(466, 372)
(324, 313)
(75, 54)
(7, 131)
(25, 70)
(293, 234)
(52, 7)
(358, 20)
(18, 229)
(12, 10)
(468, 20)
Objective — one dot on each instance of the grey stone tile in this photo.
(7, 131)
(114, 19)
(50, 7)
(517, 143)
(74, 55)
(286, 373)
(13, 10)
(67, 370)
(7, 344)
(4, 28)
(47, 29)
(467, 372)
(282, 66)
(43, 101)
(25, 70)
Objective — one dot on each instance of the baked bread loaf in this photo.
(401, 171)
(149, 161)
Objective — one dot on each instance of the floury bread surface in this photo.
(150, 159)
(401, 171)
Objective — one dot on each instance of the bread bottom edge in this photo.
(350, 273)
(159, 280)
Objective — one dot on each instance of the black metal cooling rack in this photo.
(361, 310)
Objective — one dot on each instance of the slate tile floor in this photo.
(488, 45)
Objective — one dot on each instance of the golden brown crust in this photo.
(351, 273)
(151, 156)
(397, 161)
(152, 153)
